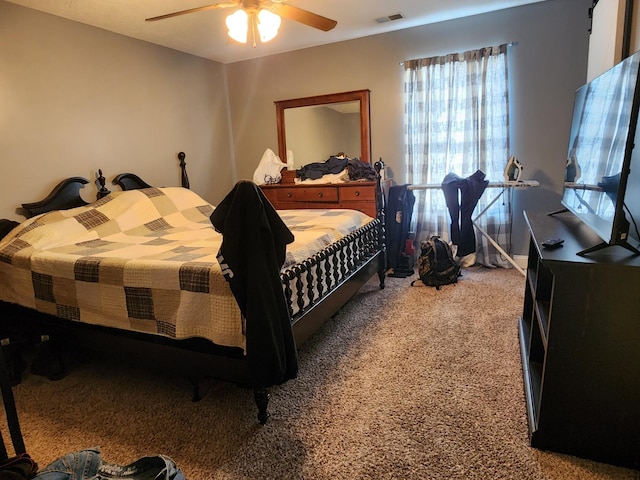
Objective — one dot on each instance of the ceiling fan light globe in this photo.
(268, 25)
(238, 25)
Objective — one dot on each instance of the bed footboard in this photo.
(310, 287)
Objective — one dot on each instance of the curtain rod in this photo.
(510, 44)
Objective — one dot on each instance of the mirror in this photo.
(311, 129)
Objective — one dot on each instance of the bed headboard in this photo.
(131, 181)
(65, 195)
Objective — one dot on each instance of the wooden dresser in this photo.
(353, 195)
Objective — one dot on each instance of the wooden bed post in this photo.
(103, 191)
(183, 168)
(382, 238)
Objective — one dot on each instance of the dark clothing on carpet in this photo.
(88, 464)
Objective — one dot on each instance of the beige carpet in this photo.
(405, 383)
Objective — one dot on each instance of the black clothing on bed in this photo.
(252, 253)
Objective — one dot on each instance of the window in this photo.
(457, 121)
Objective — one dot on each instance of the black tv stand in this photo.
(580, 345)
(599, 246)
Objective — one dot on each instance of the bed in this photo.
(161, 284)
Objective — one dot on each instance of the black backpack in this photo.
(436, 265)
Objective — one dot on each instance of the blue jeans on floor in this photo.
(88, 465)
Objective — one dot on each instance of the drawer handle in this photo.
(289, 194)
(357, 193)
(319, 194)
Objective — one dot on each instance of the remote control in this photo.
(553, 243)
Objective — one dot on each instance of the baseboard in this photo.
(521, 260)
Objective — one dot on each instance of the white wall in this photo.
(635, 27)
(605, 43)
(74, 98)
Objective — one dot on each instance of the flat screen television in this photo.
(599, 187)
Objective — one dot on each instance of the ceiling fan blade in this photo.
(191, 10)
(303, 16)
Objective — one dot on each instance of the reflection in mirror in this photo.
(318, 132)
(314, 128)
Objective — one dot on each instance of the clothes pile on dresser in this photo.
(341, 167)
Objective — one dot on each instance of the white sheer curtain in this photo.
(457, 120)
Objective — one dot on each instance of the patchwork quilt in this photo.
(144, 260)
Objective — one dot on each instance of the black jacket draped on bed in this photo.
(252, 253)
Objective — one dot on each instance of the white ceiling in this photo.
(204, 33)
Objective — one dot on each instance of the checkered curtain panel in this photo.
(456, 119)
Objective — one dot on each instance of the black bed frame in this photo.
(345, 265)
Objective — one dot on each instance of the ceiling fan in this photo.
(261, 14)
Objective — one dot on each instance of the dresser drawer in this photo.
(271, 194)
(358, 193)
(308, 194)
(355, 196)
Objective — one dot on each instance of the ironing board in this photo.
(505, 187)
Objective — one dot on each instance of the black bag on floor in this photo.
(436, 265)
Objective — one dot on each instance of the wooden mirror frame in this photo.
(361, 96)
